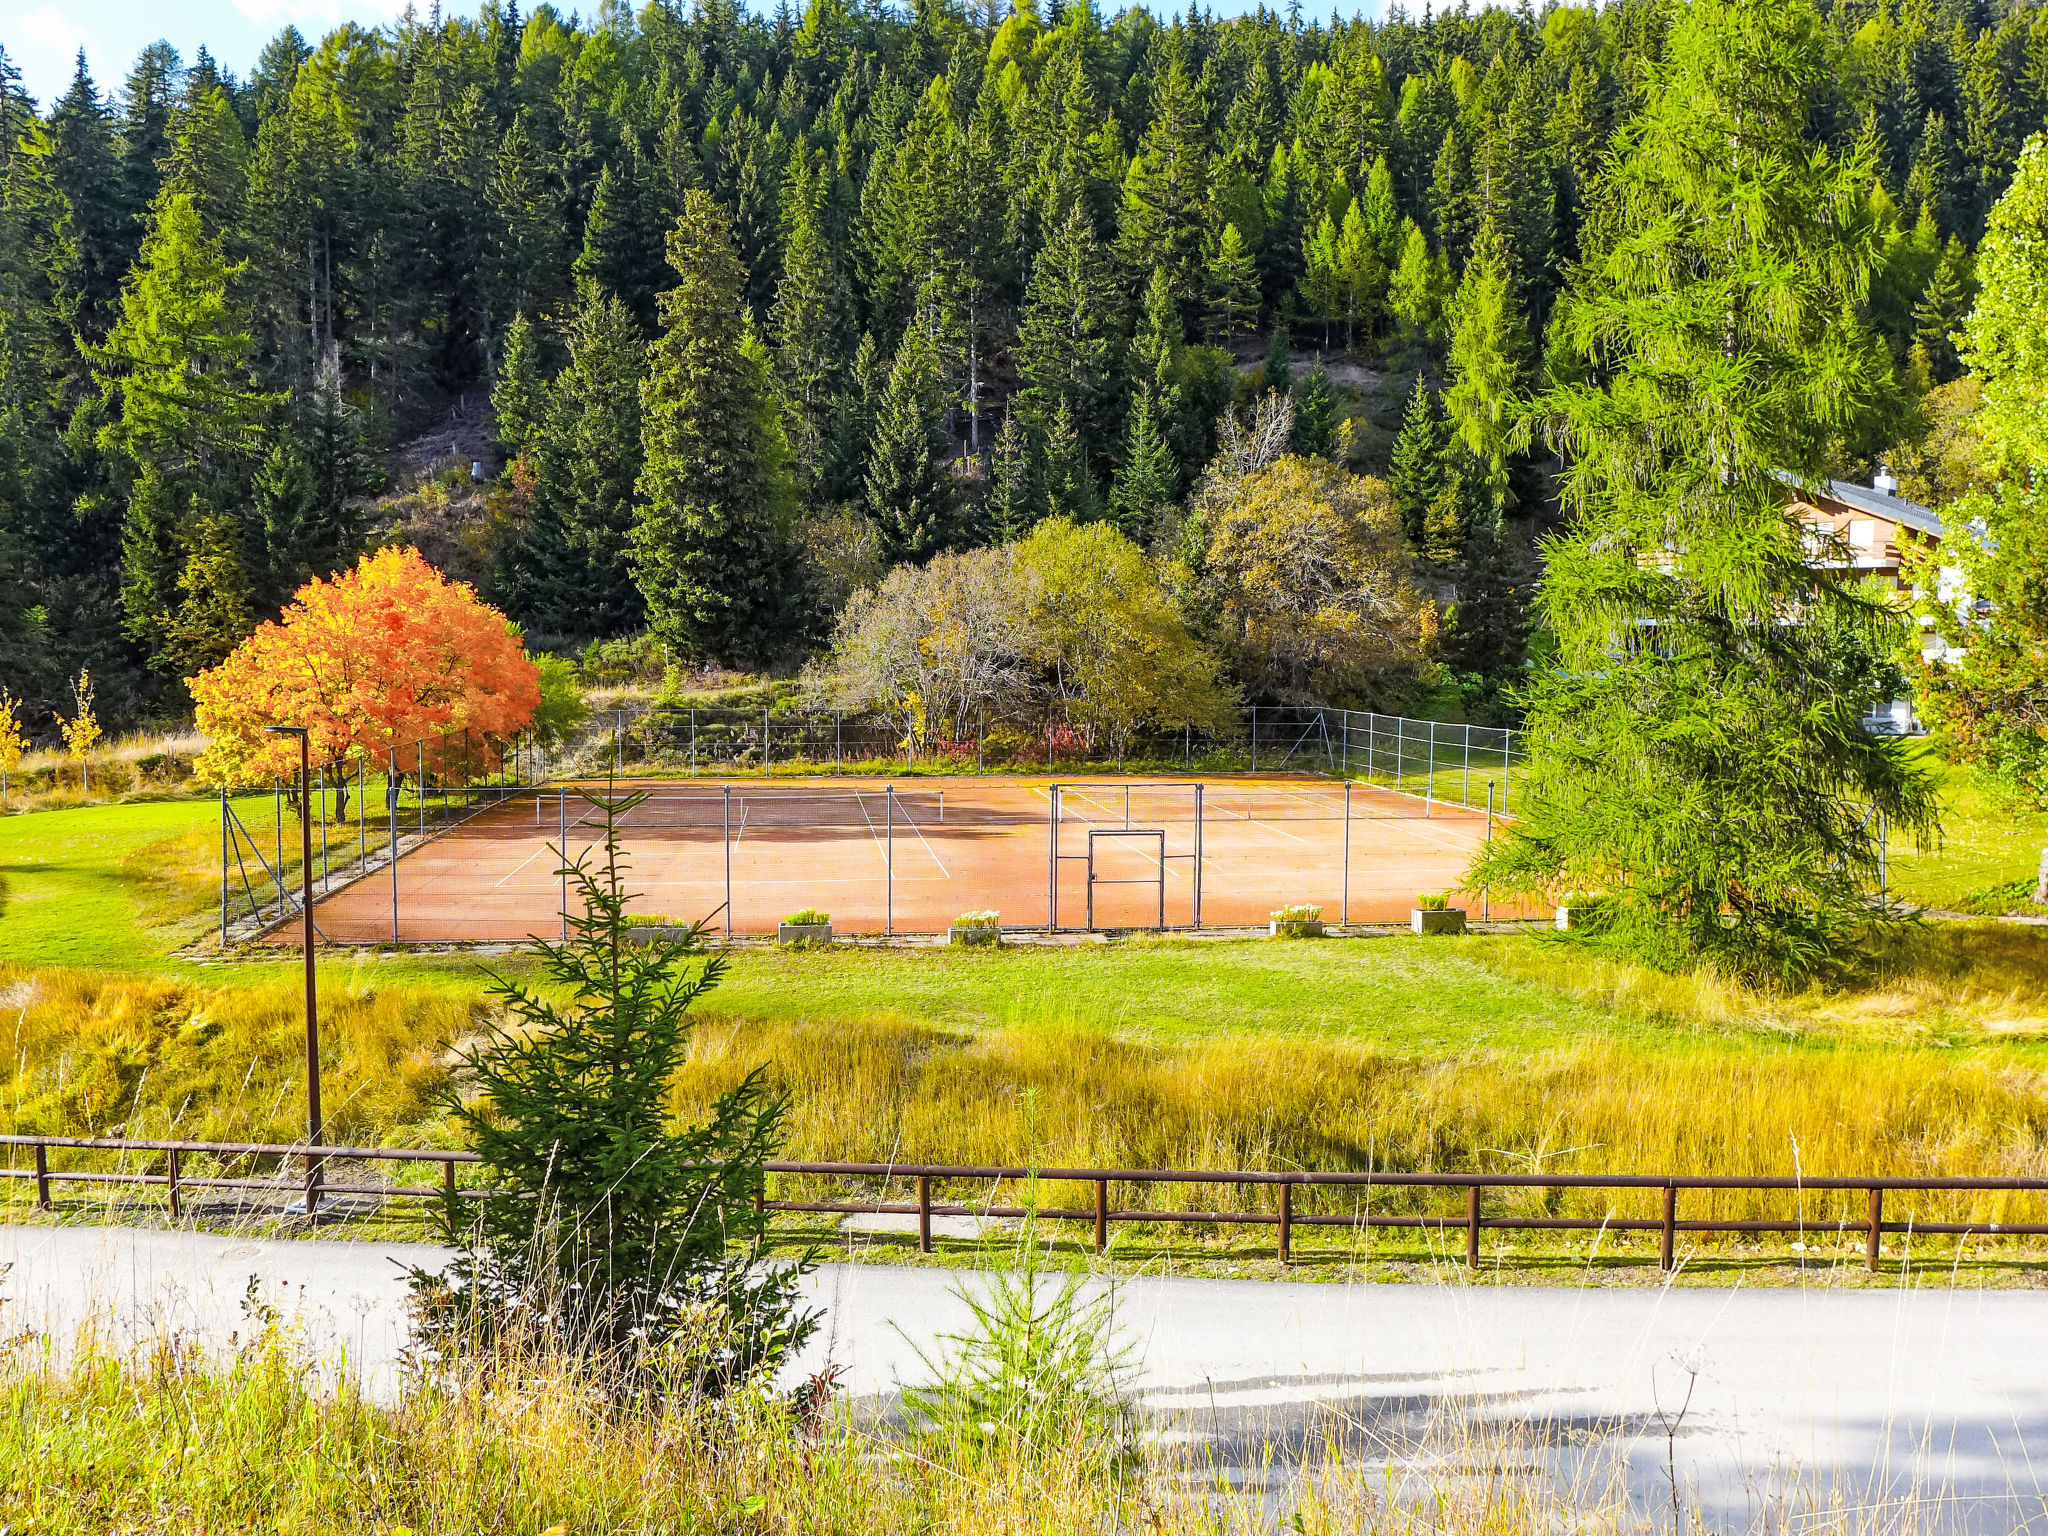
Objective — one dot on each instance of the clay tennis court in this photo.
(909, 856)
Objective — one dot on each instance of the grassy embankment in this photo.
(1506, 1054)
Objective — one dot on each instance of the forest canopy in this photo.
(734, 311)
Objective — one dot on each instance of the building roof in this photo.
(1893, 509)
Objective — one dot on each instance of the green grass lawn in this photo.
(1988, 854)
(74, 892)
(1399, 993)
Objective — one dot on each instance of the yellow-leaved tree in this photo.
(82, 730)
(13, 744)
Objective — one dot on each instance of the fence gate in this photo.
(1158, 878)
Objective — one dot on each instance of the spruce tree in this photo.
(907, 495)
(519, 402)
(1418, 467)
(709, 545)
(1147, 480)
(1315, 414)
(1165, 190)
(1065, 480)
(622, 244)
(1233, 289)
(590, 462)
(605, 1225)
(810, 325)
(1691, 751)
(1066, 338)
(1013, 503)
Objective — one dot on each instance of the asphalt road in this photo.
(1759, 1400)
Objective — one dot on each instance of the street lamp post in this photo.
(313, 1116)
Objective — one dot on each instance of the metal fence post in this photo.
(1486, 891)
(728, 860)
(391, 822)
(1429, 781)
(1472, 1226)
(277, 826)
(1344, 912)
(1052, 859)
(1465, 794)
(838, 741)
(767, 753)
(1883, 872)
(693, 743)
(1876, 1226)
(889, 870)
(1400, 749)
(1198, 855)
(1255, 738)
(1286, 1223)
(223, 865)
(562, 825)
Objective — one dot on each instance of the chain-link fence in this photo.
(365, 813)
(1433, 759)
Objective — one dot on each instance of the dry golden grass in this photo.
(143, 765)
(90, 1053)
(152, 1056)
(1939, 979)
(173, 1441)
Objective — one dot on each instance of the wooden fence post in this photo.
(1667, 1240)
(924, 1213)
(1870, 1241)
(1286, 1223)
(1472, 1226)
(1101, 1214)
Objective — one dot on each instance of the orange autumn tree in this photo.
(390, 661)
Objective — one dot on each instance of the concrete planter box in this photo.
(1563, 919)
(649, 933)
(1443, 920)
(989, 936)
(1295, 928)
(803, 933)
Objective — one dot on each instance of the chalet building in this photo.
(1871, 525)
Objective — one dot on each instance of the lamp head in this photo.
(285, 730)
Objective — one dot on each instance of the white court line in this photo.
(516, 868)
(943, 871)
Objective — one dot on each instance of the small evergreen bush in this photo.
(603, 1224)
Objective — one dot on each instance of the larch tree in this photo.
(710, 545)
(1697, 751)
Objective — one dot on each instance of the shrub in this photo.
(808, 917)
(1432, 901)
(1300, 912)
(978, 920)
